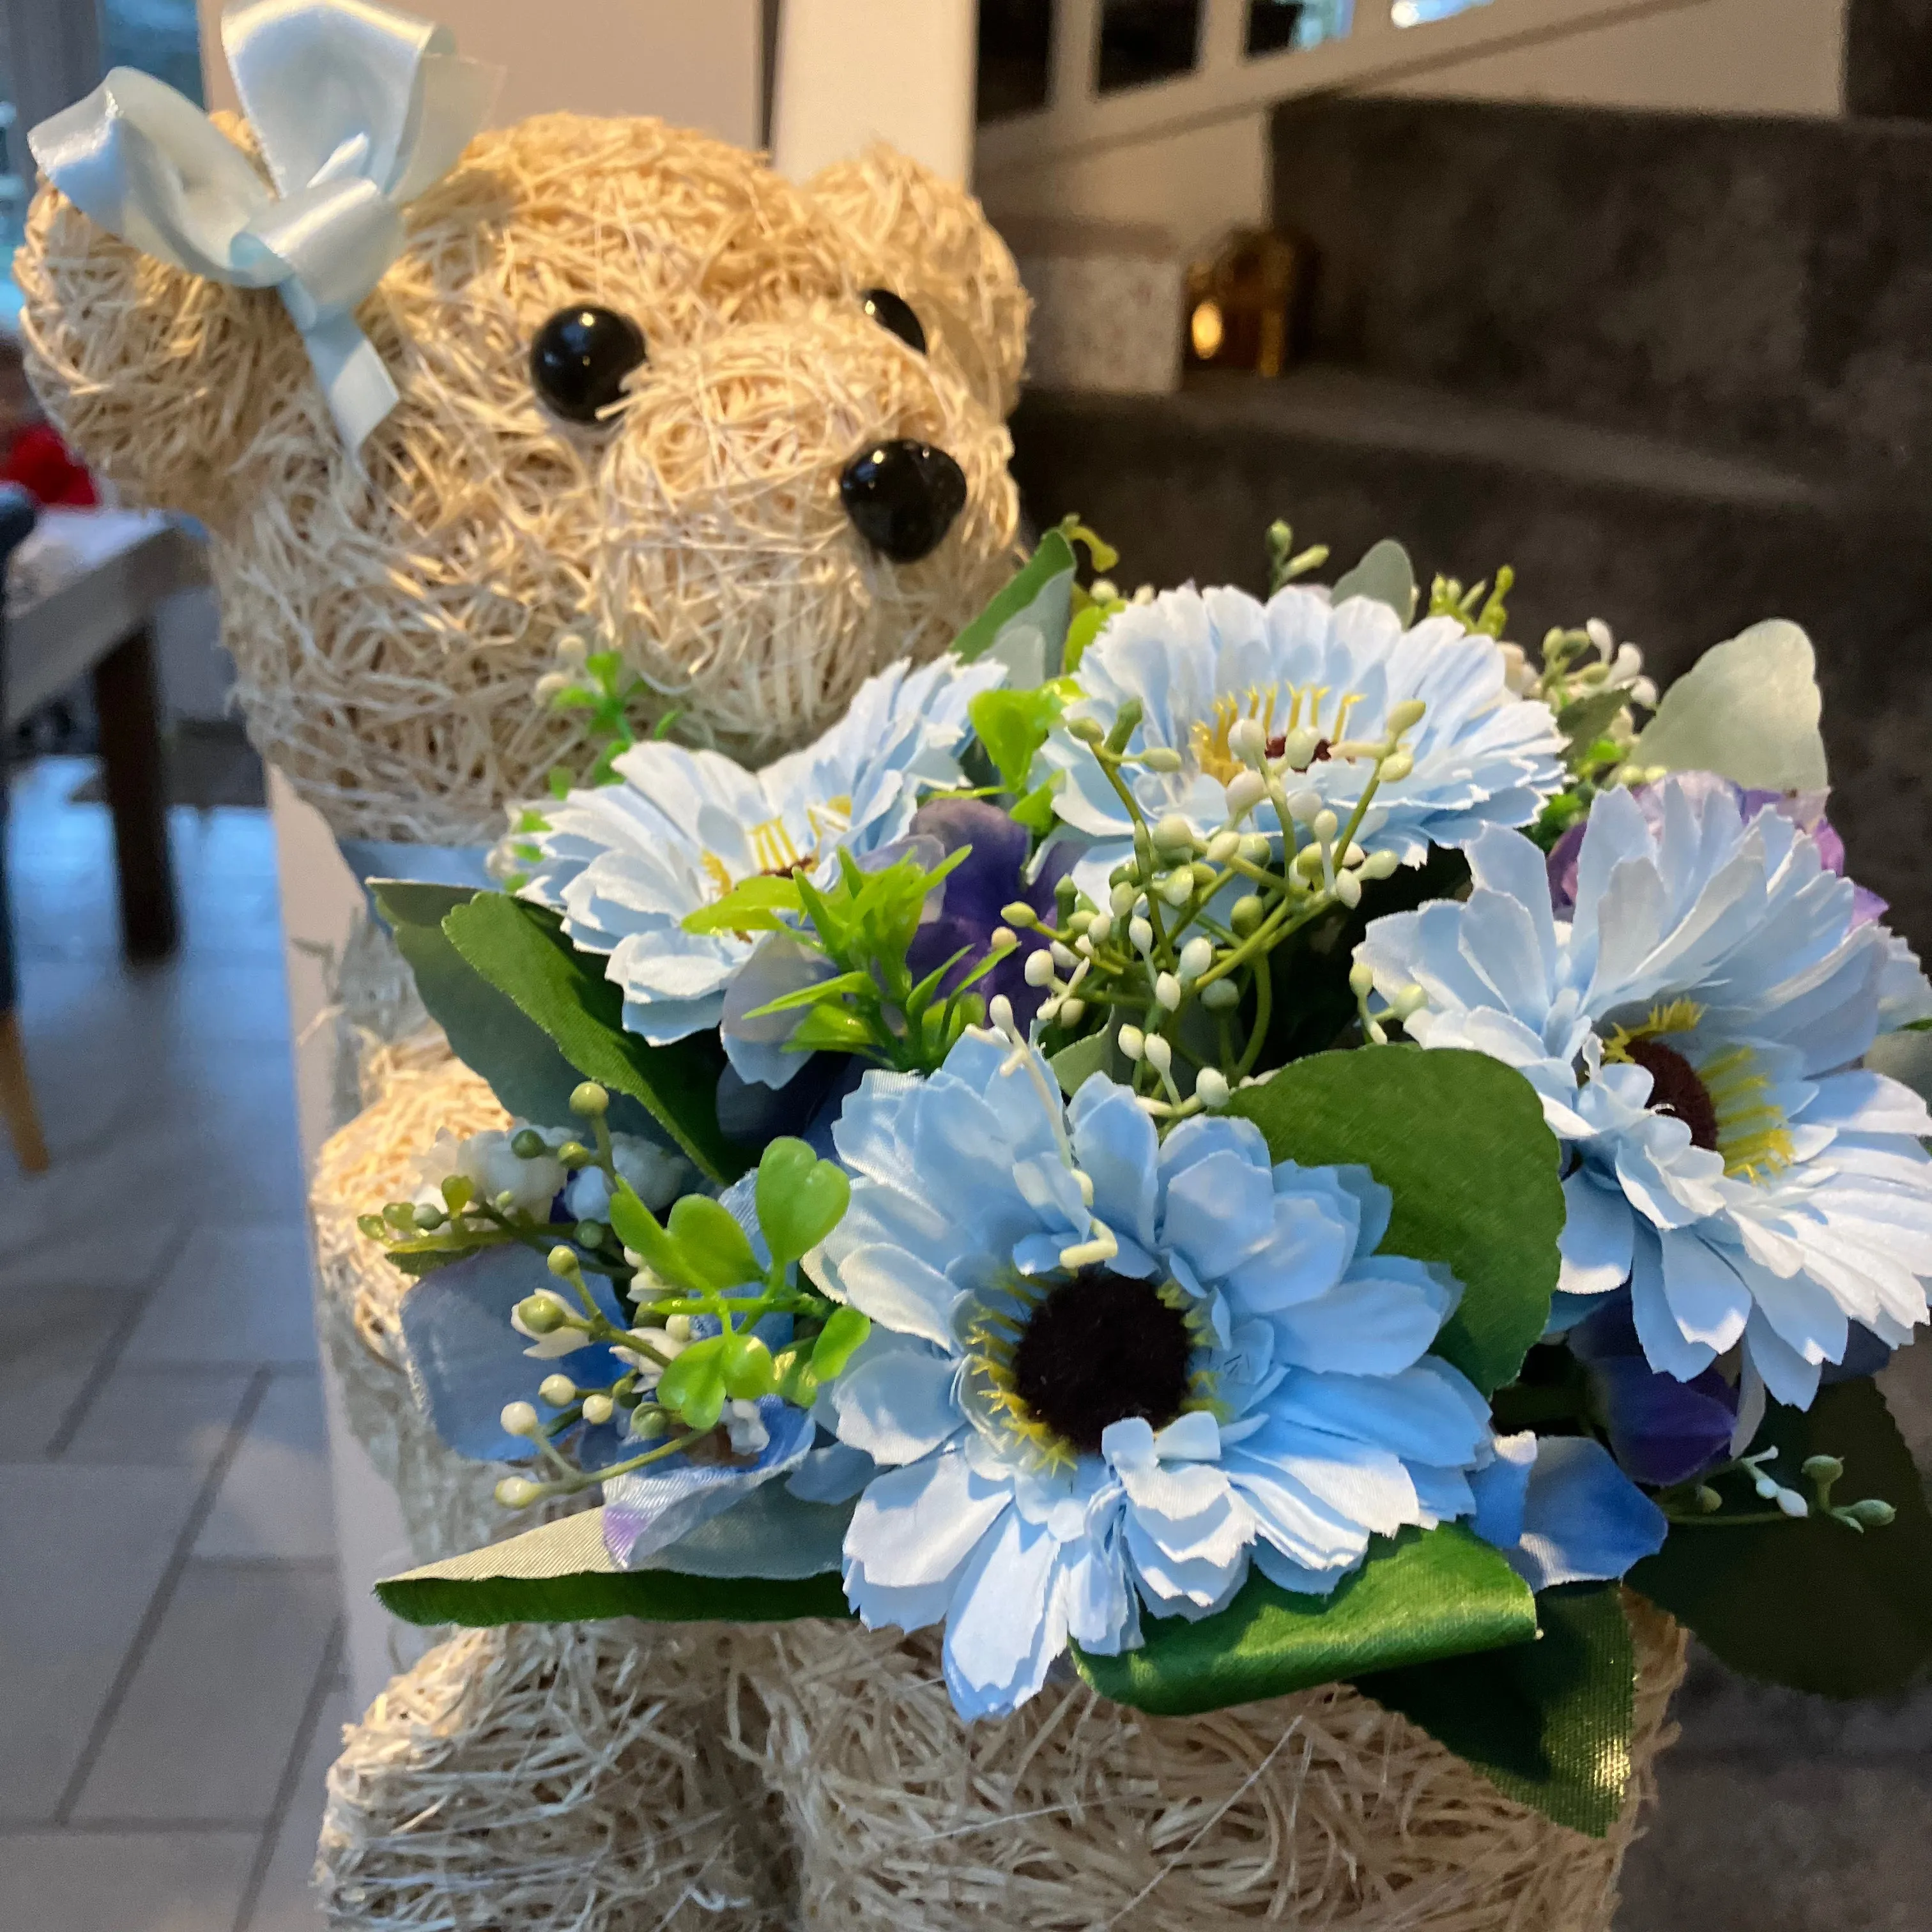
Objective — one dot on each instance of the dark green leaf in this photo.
(486, 1032)
(1074, 1066)
(564, 1575)
(1548, 1722)
(1459, 1139)
(1384, 573)
(1425, 1594)
(1039, 597)
(520, 949)
(1588, 718)
(1812, 1604)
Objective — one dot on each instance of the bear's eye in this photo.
(895, 313)
(580, 358)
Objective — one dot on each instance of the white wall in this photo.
(1709, 56)
(1196, 184)
(696, 62)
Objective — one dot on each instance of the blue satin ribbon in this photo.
(358, 108)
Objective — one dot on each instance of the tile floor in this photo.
(170, 1680)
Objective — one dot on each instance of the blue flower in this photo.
(992, 877)
(1662, 1430)
(1563, 1512)
(1198, 662)
(1693, 1031)
(626, 863)
(1106, 1371)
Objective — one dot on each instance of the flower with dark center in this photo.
(1676, 1088)
(1098, 1349)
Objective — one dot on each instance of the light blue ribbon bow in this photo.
(358, 109)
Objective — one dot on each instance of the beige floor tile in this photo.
(287, 1902)
(161, 1417)
(81, 1552)
(207, 1726)
(52, 1337)
(124, 1882)
(238, 1293)
(274, 1501)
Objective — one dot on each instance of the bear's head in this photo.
(749, 435)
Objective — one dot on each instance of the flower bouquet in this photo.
(1209, 1150)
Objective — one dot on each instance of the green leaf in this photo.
(801, 1198)
(1458, 1140)
(752, 905)
(836, 988)
(427, 1251)
(561, 1574)
(487, 1031)
(520, 950)
(1034, 813)
(639, 1230)
(746, 1365)
(1025, 624)
(1748, 710)
(845, 1329)
(1588, 718)
(1074, 1066)
(1548, 1722)
(1813, 1604)
(832, 1030)
(1012, 725)
(1384, 573)
(1426, 1594)
(1085, 627)
(692, 1387)
(716, 1249)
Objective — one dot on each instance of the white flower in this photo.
(491, 1165)
(1693, 1033)
(1113, 1370)
(1200, 663)
(626, 863)
(657, 1177)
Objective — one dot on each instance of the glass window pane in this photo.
(162, 37)
(1419, 13)
(1274, 25)
(1144, 41)
(1015, 56)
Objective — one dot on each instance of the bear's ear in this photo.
(159, 380)
(930, 241)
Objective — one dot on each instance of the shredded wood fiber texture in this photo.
(389, 616)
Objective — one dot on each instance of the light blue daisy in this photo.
(1197, 662)
(1694, 1031)
(1106, 1371)
(627, 863)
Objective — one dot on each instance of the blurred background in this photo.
(1633, 295)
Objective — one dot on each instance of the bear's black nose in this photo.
(902, 497)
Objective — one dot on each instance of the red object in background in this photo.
(42, 465)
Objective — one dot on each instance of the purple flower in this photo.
(1805, 810)
(1662, 1431)
(989, 879)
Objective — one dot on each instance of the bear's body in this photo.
(389, 613)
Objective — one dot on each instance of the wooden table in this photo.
(99, 623)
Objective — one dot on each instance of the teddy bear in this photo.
(749, 435)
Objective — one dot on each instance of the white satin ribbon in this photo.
(358, 109)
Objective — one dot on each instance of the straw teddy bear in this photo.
(748, 434)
